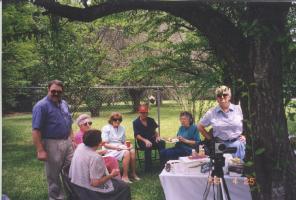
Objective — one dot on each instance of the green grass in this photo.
(169, 122)
(23, 176)
(291, 117)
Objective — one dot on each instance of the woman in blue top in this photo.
(188, 136)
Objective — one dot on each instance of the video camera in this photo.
(215, 148)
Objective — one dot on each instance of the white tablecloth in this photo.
(191, 186)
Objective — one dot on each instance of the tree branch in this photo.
(101, 10)
(225, 38)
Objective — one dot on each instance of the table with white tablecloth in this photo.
(191, 186)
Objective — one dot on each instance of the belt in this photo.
(231, 140)
(64, 138)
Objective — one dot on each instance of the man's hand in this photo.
(157, 139)
(42, 155)
(148, 143)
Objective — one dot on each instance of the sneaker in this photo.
(136, 178)
(126, 180)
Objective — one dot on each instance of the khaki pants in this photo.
(59, 154)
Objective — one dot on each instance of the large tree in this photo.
(250, 39)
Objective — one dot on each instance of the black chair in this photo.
(75, 192)
(141, 159)
(68, 186)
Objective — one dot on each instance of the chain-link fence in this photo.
(102, 100)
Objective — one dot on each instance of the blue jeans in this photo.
(241, 146)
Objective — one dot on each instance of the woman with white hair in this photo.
(226, 120)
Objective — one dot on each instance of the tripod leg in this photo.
(225, 191)
(220, 192)
(207, 190)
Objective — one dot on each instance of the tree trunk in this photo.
(95, 112)
(136, 95)
(274, 166)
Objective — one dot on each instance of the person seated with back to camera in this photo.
(89, 175)
(84, 122)
(226, 121)
(113, 136)
(188, 137)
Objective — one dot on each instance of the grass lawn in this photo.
(23, 175)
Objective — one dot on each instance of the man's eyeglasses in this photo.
(87, 123)
(58, 92)
(117, 120)
(220, 95)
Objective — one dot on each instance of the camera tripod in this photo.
(217, 181)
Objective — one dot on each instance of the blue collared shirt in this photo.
(54, 121)
(226, 125)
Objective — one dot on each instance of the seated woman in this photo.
(113, 136)
(88, 172)
(84, 122)
(188, 136)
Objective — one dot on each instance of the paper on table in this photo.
(171, 140)
(188, 160)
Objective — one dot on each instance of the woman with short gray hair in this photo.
(226, 120)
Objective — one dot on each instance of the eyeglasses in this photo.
(117, 120)
(220, 95)
(58, 92)
(87, 123)
(183, 118)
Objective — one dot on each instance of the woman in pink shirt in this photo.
(84, 122)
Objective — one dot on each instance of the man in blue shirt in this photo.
(52, 136)
(146, 135)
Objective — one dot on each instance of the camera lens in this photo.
(222, 147)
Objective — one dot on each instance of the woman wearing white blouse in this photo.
(113, 135)
(226, 120)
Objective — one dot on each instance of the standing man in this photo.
(146, 135)
(52, 136)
